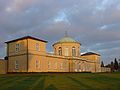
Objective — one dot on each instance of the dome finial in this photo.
(66, 34)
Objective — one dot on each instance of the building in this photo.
(3, 66)
(106, 69)
(28, 54)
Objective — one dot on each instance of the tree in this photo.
(112, 66)
(108, 65)
(102, 64)
(116, 65)
(119, 65)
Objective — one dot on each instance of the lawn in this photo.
(75, 81)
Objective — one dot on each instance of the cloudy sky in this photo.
(95, 23)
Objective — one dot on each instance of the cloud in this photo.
(18, 5)
(94, 23)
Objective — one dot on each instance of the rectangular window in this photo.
(55, 65)
(17, 47)
(16, 65)
(61, 66)
(37, 47)
(66, 52)
(49, 65)
(37, 64)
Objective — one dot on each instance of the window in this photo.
(79, 67)
(60, 51)
(16, 65)
(73, 51)
(55, 51)
(37, 64)
(66, 52)
(55, 66)
(78, 51)
(17, 47)
(49, 65)
(76, 66)
(37, 47)
(61, 66)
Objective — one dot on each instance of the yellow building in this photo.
(3, 66)
(28, 54)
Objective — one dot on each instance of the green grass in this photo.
(76, 81)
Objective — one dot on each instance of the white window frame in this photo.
(17, 47)
(16, 65)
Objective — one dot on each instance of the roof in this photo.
(90, 53)
(1, 59)
(26, 37)
(67, 39)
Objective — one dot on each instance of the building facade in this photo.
(28, 54)
(3, 66)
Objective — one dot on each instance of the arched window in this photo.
(60, 51)
(73, 51)
(55, 50)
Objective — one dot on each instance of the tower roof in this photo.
(67, 39)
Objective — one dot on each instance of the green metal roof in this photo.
(67, 39)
